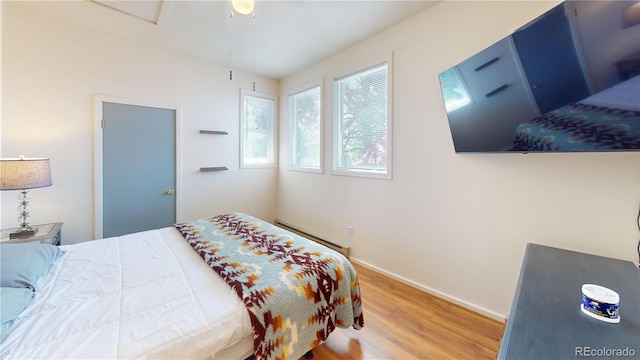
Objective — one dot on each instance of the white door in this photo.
(138, 168)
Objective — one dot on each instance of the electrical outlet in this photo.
(349, 231)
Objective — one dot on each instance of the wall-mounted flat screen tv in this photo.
(567, 81)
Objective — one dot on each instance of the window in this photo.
(454, 92)
(257, 133)
(362, 128)
(305, 114)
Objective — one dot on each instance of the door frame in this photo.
(98, 103)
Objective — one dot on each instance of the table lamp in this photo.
(23, 174)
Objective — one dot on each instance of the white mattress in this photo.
(144, 295)
(625, 95)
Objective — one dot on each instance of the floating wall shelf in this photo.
(214, 168)
(215, 132)
(487, 64)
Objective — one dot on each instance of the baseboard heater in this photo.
(344, 250)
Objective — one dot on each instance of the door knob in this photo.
(170, 192)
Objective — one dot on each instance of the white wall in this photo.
(454, 224)
(51, 71)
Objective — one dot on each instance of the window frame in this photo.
(456, 77)
(387, 174)
(292, 128)
(272, 161)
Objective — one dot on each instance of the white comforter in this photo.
(144, 295)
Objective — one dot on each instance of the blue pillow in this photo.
(12, 302)
(22, 265)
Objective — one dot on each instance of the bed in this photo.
(176, 292)
(606, 121)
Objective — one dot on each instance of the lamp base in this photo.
(23, 233)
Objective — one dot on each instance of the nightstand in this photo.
(629, 66)
(45, 234)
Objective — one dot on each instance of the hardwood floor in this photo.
(402, 322)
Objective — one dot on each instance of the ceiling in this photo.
(286, 35)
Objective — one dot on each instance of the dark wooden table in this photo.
(546, 321)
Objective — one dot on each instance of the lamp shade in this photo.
(244, 7)
(24, 173)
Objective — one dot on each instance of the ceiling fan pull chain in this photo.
(230, 43)
(254, 47)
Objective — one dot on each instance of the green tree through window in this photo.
(305, 128)
(362, 121)
(257, 135)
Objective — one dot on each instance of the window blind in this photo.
(305, 135)
(362, 121)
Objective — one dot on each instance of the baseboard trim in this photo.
(434, 292)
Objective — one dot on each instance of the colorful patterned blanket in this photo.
(580, 126)
(296, 291)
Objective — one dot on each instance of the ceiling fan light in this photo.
(243, 7)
